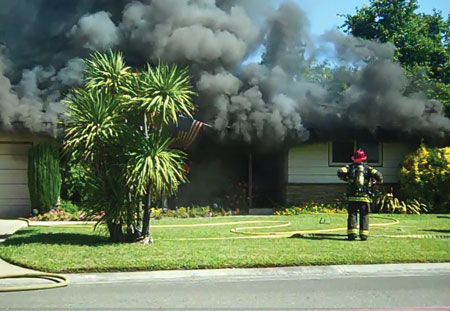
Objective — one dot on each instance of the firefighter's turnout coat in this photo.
(359, 177)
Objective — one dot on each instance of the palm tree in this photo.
(158, 96)
(91, 136)
(154, 168)
(118, 124)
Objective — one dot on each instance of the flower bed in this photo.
(58, 214)
(313, 207)
(68, 211)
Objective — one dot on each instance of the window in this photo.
(340, 152)
(372, 150)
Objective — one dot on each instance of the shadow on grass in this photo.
(60, 238)
(320, 236)
(25, 231)
(437, 230)
(20, 232)
(443, 217)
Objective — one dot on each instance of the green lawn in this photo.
(69, 249)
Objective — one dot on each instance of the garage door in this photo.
(14, 196)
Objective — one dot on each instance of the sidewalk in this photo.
(8, 227)
(260, 274)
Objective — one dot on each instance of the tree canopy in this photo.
(422, 41)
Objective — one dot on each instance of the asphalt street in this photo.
(278, 290)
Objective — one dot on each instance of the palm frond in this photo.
(95, 120)
(163, 93)
(108, 195)
(106, 71)
(152, 163)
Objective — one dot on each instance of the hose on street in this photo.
(56, 279)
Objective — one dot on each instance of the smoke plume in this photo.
(254, 66)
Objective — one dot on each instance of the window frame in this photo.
(337, 164)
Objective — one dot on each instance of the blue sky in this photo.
(322, 13)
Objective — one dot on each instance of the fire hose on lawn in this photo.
(324, 232)
(245, 232)
(252, 233)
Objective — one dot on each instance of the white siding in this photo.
(393, 154)
(309, 163)
(14, 177)
(13, 162)
(14, 196)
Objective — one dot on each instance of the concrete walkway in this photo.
(8, 227)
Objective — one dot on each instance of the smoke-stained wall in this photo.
(43, 42)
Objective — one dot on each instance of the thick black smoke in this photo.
(248, 100)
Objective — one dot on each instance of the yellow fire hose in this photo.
(323, 232)
(250, 233)
(58, 281)
(304, 232)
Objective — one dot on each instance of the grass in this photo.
(70, 249)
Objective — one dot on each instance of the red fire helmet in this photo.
(359, 156)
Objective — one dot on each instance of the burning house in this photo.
(282, 119)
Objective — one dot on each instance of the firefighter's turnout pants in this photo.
(363, 207)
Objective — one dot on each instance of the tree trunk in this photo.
(115, 232)
(130, 218)
(146, 239)
(138, 227)
(146, 224)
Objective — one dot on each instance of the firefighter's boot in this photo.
(364, 221)
(352, 231)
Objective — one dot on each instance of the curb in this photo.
(260, 274)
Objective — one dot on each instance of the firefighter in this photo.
(360, 177)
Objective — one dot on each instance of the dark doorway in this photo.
(219, 173)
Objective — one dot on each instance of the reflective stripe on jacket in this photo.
(364, 198)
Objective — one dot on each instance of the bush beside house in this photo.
(44, 177)
(425, 176)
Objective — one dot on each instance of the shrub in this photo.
(156, 213)
(69, 207)
(387, 203)
(425, 176)
(190, 212)
(182, 213)
(313, 207)
(44, 177)
(198, 211)
(74, 182)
